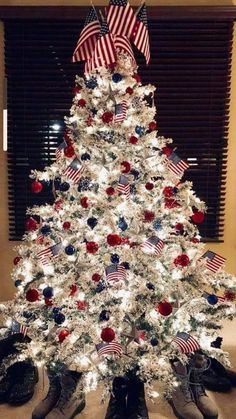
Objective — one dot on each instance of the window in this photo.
(190, 65)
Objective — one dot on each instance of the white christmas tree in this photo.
(113, 276)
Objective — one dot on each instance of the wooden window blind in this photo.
(190, 65)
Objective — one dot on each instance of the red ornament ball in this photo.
(84, 202)
(66, 225)
(107, 117)
(114, 240)
(149, 186)
(171, 203)
(32, 295)
(137, 78)
(81, 305)
(230, 295)
(167, 151)
(36, 186)
(168, 191)
(63, 334)
(92, 247)
(110, 191)
(179, 226)
(127, 166)
(69, 151)
(133, 139)
(129, 90)
(148, 216)
(164, 308)
(182, 260)
(73, 289)
(81, 103)
(16, 260)
(108, 334)
(152, 125)
(96, 277)
(76, 90)
(31, 224)
(198, 217)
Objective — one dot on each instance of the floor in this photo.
(94, 410)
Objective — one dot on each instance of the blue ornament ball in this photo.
(150, 286)
(126, 265)
(91, 83)
(17, 282)
(104, 315)
(64, 187)
(212, 299)
(59, 318)
(154, 341)
(27, 314)
(122, 224)
(100, 287)
(115, 258)
(85, 156)
(92, 222)
(48, 292)
(116, 77)
(157, 224)
(45, 230)
(69, 250)
(55, 310)
(139, 130)
(135, 173)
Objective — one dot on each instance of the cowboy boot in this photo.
(71, 400)
(136, 403)
(198, 364)
(51, 399)
(117, 404)
(182, 401)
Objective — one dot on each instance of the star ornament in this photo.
(134, 334)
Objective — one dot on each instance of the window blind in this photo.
(190, 65)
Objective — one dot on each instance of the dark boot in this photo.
(71, 400)
(136, 403)
(215, 377)
(7, 345)
(23, 377)
(117, 404)
(51, 399)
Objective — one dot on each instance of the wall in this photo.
(227, 249)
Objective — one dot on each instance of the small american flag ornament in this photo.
(176, 165)
(120, 111)
(213, 261)
(17, 327)
(124, 186)
(48, 253)
(74, 171)
(115, 273)
(60, 149)
(186, 342)
(153, 245)
(111, 348)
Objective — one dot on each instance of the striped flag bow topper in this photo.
(17, 327)
(111, 348)
(49, 253)
(175, 164)
(88, 37)
(121, 18)
(140, 33)
(115, 273)
(185, 342)
(153, 245)
(213, 261)
(122, 44)
(74, 170)
(104, 52)
(124, 186)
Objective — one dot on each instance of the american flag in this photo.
(17, 327)
(122, 44)
(176, 164)
(124, 186)
(220, 299)
(50, 252)
(120, 111)
(186, 342)
(153, 245)
(88, 37)
(115, 273)
(121, 18)
(74, 170)
(109, 348)
(59, 149)
(213, 261)
(104, 52)
(140, 33)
